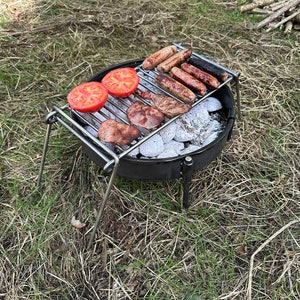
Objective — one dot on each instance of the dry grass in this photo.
(240, 239)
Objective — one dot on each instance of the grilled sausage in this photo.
(175, 88)
(188, 80)
(156, 58)
(174, 60)
(201, 75)
(209, 68)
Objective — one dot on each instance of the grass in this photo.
(147, 247)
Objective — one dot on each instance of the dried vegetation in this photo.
(240, 239)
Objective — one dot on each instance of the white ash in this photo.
(210, 138)
(132, 153)
(168, 133)
(152, 147)
(190, 148)
(211, 104)
(176, 146)
(168, 153)
(211, 128)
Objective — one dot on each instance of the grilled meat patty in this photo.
(117, 133)
(143, 115)
(166, 104)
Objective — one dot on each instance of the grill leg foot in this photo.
(187, 171)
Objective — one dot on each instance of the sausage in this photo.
(201, 75)
(174, 60)
(156, 58)
(188, 80)
(209, 68)
(175, 88)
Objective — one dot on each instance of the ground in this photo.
(240, 237)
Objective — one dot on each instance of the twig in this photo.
(261, 11)
(249, 289)
(277, 13)
(277, 5)
(284, 20)
(255, 4)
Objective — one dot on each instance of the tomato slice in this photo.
(88, 97)
(121, 82)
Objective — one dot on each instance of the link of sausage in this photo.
(175, 88)
(188, 80)
(174, 60)
(209, 68)
(159, 56)
(201, 75)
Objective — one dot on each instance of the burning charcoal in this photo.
(211, 104)
(185, 130)
(168, 132)
(134, 153)
(152, 147)
(210, 138)
(189, 149)
(168, 153)
(177, 146)
(212, 127)
(198, 116)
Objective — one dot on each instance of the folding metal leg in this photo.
(187, 171)
(45, 148)
(103, 204)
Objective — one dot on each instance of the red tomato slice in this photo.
(121, 82)
(88, 97)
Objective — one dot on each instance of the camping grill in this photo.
(116, 161)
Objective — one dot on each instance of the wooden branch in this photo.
(295, 19)
(261, 11)
(277, 5)
(256, 4)
(276, 14)
(284, 20)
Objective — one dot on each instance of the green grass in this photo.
(147, 246)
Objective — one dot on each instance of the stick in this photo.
(284, 20)
(249, 289)
(261, 11)
(255, 4)
(277, 13)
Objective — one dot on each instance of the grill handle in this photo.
(187, 171)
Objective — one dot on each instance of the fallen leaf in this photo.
(15, 13)
(235, 151)
(76, 223)
(242, 250)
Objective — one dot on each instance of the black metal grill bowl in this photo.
(171, 168)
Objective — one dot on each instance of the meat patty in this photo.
(117, 133)
(166, 104)
(143, 115)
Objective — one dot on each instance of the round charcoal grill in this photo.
(171, 168)
(117, 162)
